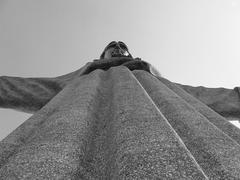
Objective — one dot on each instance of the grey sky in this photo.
(189, 42)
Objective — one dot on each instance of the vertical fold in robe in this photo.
(216, 152)
(219, 121)
(103, 125)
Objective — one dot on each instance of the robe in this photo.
(115, 119)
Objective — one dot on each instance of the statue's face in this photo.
(116, 49)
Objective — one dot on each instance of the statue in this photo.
(117, 118)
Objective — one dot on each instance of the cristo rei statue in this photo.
(117, 118)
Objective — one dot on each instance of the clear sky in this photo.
(189, 42)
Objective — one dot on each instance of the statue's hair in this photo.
(103, 53)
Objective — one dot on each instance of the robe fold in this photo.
(114, 119)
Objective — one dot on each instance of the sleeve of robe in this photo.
(224, 101)
(27, 94)
(31, 94)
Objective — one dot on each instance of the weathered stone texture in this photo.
(122, 124)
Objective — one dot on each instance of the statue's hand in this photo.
(105, 64)
(130, 63)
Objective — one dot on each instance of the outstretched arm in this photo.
(31, 94)
(27, 94)
(224, 101)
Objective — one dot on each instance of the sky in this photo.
(189, 42)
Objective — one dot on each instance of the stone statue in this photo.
(117, 118)
(30, 94)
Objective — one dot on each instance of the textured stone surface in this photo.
(108, 122)
(211, 115)
(107, 127)
(216, 153)
(224, 101)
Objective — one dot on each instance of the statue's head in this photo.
(115, 49)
